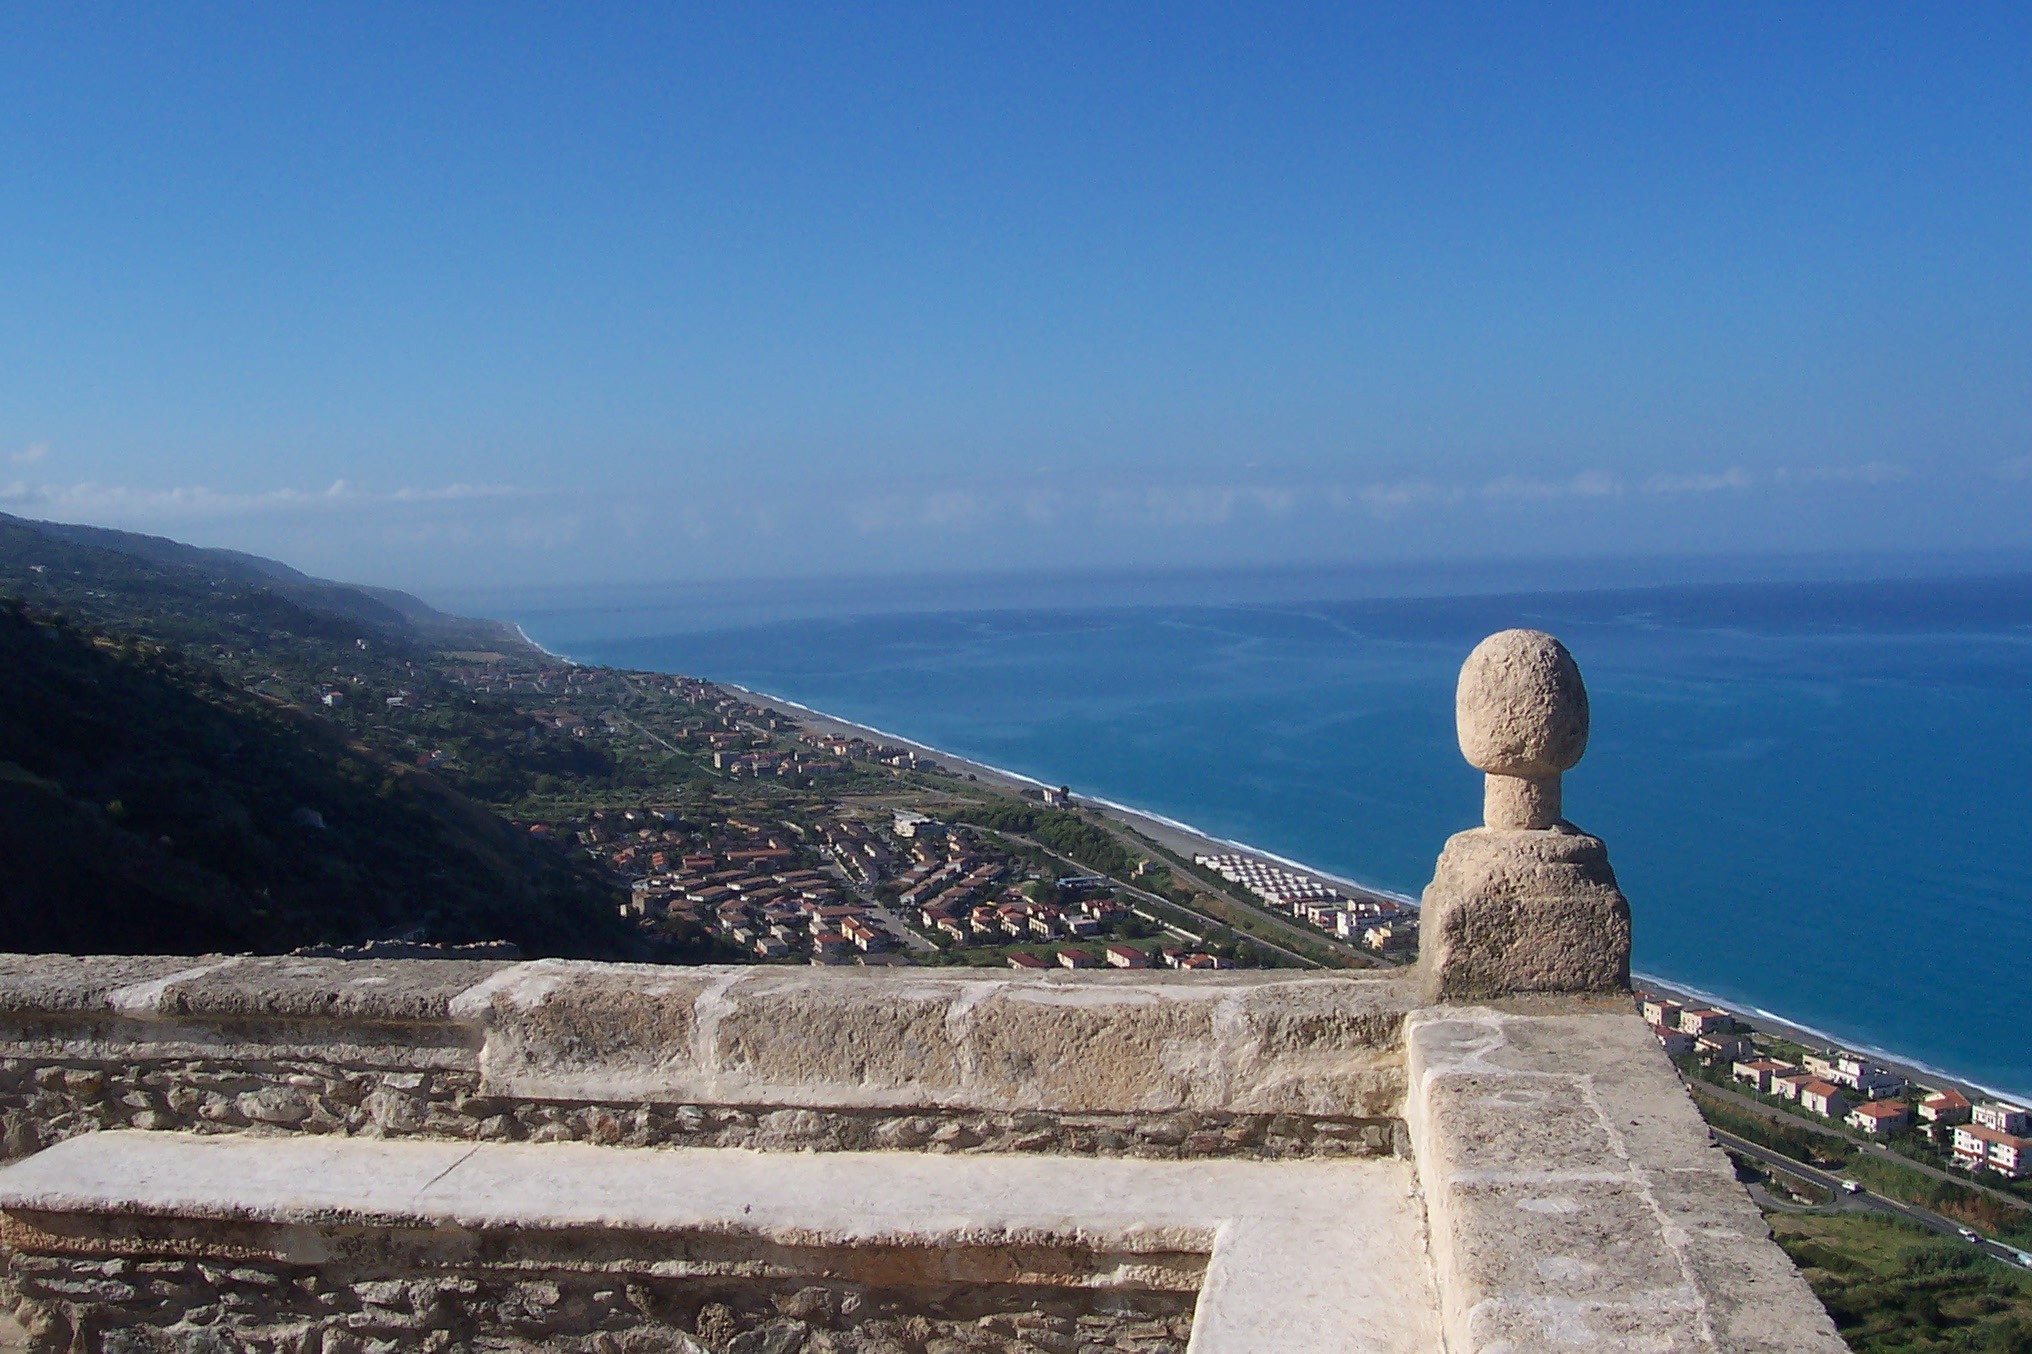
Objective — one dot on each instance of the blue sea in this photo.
(1814, 793)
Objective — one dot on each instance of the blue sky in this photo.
(443, 295)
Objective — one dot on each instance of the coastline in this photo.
(1189, 841)
(1770, 1022)
(1170, 833)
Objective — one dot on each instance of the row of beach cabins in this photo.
(1848, 1088)
(1383, 925)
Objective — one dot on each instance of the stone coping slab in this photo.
(238, 987)
(1304, 1044)
(51, 984)
(1311, 1044)
(1299, 1257)
(1576, 1200)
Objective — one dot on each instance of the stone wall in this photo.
(194, 1307)
(911, 1163)
(1201, 1065)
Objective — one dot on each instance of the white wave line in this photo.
(549, 653)
(1830, 1037)
(1173, 823)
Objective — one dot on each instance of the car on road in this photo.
(1851, 1187)
(1969, 1234)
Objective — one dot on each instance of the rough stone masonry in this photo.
(1526, 902)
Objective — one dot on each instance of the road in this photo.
(883, 916)
(1116, 821)
(1860, 1202)
(1758, 1107)
(1152, 900)
(619, 714)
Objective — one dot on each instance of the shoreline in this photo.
(1170, 833)
(1189, 841)
(1770, 1022)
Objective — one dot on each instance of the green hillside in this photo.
(160, 790)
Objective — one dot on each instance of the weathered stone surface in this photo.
(1520, 707)
(294, 988)
(41, 1103)
(286, 1308)
(1511, 912)
(1320, 1045)
(62, 983)
(566, 1239)
(769, 1031)
(1576, 1202)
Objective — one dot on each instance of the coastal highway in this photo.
(1864, 1201)
(1151, 900)
(1778, 1116)
(1166, 911)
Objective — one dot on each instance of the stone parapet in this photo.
(1576, 1200)
(1071, 1043)
(1259, 1065)
(857, 1161)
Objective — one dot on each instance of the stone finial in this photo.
(1526, 902)
(1522, 712)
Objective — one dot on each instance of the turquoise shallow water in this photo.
(1813, 793)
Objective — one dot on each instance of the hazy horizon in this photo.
(704, 604)
(476, 296)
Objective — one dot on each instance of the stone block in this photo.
(54, 984)
(290, 988)
(1574, 1197)
(854, 1039)
(1517, 911)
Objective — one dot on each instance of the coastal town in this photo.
(761, 840)
(1939, 1124)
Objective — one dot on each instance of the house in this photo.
(1195, 963)
(907, 824)
(1046, 923)
(1677, 1042)
(1073, 957)
(1788, 1085)
(1857, 1073)
(1723, 1047)
(1945, 1107)
(1759, 1074)
(1879, 1117)
(1127, 956)
(2002, 1118)
(1706, 1021)
(1823, 1098)
(1391, 936)
(865, 936)
(1026, 962)
(1977, 1147)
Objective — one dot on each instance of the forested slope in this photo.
(149, 801)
